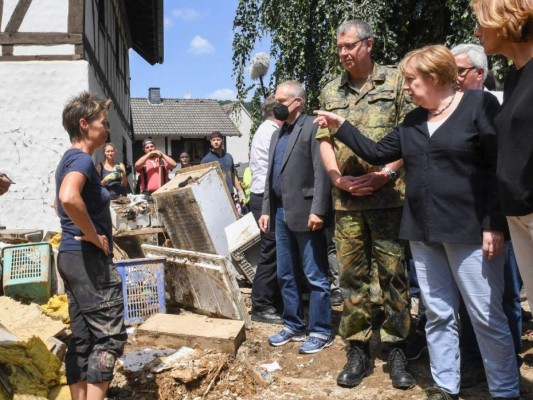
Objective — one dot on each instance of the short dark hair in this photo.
(86, 105)
(215, 134)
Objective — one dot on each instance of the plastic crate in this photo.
(143, 284)
(246, 258)
(26, 273)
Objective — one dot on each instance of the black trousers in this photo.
(265, 289)
(96, 310)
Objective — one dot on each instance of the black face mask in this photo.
(281, 112)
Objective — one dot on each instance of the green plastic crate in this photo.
(26, 273)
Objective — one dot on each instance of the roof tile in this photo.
(180, 117)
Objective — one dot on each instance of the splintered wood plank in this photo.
(197, 331)
(200, 282)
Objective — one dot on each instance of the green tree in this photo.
(303, 35)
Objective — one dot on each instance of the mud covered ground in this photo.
(218, 376)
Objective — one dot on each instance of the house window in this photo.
(196, 149)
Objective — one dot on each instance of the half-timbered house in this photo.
(50, 50)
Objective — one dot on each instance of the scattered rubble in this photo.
(31, 368)
(57, 308)
(188, 356)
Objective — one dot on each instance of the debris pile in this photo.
(210, 251)
(57, 308)
(31, 368)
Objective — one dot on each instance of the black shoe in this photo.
(357, 367)
(439, 394)
(401, 379)
(472, 375)
(416, 345)
(526, 315)
(267, 316)
(336, 298)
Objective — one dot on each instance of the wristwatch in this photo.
(393, 175)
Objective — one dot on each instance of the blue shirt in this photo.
(94, 195)
(226, 163)
(279, 152)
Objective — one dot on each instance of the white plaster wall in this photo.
(32, 138)
(42, 16)
(238, 146)
(65, 49)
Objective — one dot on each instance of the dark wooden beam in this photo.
(18, 15)
(1, 9)
(40, 38)
(7, 50)
(48, 57)
(76, 15)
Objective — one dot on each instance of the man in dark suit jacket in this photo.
(296, 199)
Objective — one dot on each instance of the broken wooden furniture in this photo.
(201, 283)
(195, 207)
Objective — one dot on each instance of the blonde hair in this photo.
(86, 105)
(512, 19)
(435, 62)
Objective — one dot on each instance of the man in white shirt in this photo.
(266, 296)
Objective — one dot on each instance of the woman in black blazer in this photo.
(506, 27)
(451, 215)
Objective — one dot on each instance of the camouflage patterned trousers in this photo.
(366, 240)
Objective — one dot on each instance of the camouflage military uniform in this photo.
(366, 228)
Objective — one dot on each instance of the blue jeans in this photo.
(511, 308)
(446, 272)
(309, 247)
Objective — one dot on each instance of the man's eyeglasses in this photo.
(462, 71)
(350, 45)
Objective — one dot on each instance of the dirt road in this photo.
(300, 377)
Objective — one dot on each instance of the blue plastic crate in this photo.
(26, 272)
(143, 284)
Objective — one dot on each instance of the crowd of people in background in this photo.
(416, 166)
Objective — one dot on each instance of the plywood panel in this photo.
(25, 321)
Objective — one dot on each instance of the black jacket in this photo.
(451, 187)
(514, 124)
